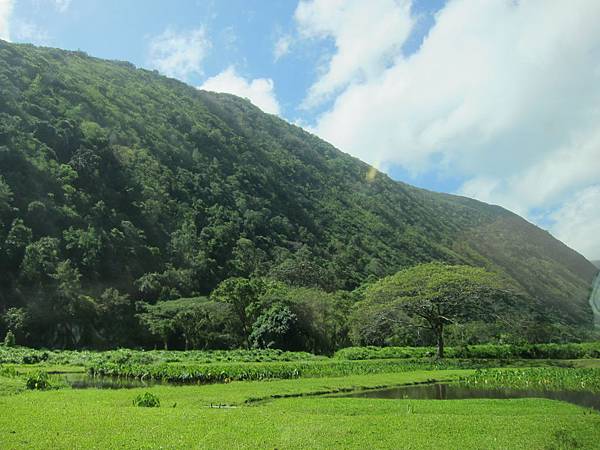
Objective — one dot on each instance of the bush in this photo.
(146, 400)
(226, 372)
(38, 381)
(480, 351)
(9, 340)
(35, 357)
(544, 378)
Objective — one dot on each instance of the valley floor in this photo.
(257, 415)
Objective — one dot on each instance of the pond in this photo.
(454, 391)
(86, 381)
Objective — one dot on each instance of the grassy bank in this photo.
(289, 413)
(106, 419)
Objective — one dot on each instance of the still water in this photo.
(85, 381)
(436, 391)
(452, 391)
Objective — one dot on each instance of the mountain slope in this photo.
(117, 177)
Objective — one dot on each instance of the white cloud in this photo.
(5, 12)
(260, 91)
(501, 93)
(24, 31)
(179, 54)
(62, 5)
(578, 221)
(366, 35)
(282, 46)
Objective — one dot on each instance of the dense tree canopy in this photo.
(435, 295)
(118, 185)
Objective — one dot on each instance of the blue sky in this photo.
(496, 100)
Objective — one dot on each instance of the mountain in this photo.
(596, 263)
(117, 177)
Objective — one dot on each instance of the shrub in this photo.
(9, 340)
(34, 357)
(9, 372)
(226, 372)
(38, 381)
(146, 400)
(544, 378)
(480, 351)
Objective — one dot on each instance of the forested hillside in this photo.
(118, 183)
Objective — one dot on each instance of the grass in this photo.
(10, 385)
(288, 413)
(94, 419)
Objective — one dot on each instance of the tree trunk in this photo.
(439, 331)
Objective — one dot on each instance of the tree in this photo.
(277, 327)
(194, 321)
(436, 295)
(158, 321)
(6, 198)
(41, 260)
(303, 269)
(216, 327)
(74, 313)
(115, 314)
(243, 295)
(19, 237)
(16, 320)
(322, 316)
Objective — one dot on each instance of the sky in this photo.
(498, 100)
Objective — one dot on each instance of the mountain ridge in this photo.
(152, 187)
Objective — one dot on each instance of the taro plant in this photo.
(38, 381)
(146, 400)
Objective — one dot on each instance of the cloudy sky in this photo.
(498, 99)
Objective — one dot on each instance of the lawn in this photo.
(107, 419)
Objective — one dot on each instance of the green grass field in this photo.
(283, 412)
(257, 416)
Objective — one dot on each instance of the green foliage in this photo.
(308, 421)
(38, 380)
(117, 183)
(9, 339)
(275, 328)
(23, 355)
(146, 400)
(549, 379)
(429, 296)
(15, 319)
(226, 372)
(485, 351)
(200, 323)
(243, 295)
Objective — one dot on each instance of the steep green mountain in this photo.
(117, 177)
(596, 263)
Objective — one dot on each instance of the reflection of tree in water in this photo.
(441, 391)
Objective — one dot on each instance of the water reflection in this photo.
(452, 391)
(85, 381)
